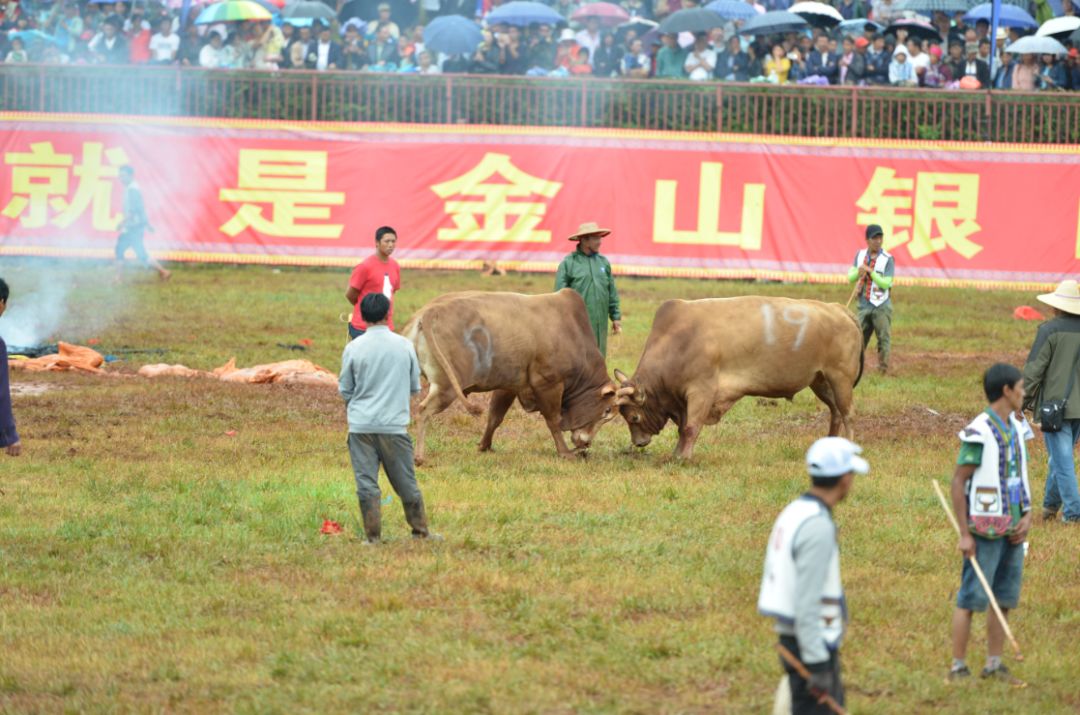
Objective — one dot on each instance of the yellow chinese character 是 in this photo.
(881, 204)
(950, 202)
(41, 180)
(707, 232)
(293, 183)
(491, 203)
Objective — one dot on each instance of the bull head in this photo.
(628, 393)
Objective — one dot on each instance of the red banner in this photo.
(677, 204)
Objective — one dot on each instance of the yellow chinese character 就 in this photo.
(293, 183)
(950, 202)
(882, 204)
(96, 180)
(491, 202)
(707, 232)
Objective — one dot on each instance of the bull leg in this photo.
(436, 401)
(501, 400)
(823, 389)
(697, 412)
(843, 390)
(549, 402)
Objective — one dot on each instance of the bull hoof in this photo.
(418, 461)
(484, 448)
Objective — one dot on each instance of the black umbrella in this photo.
(774, 23)
(695, 19)
(915, 28)
(929, 7)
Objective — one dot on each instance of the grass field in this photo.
(150, 562)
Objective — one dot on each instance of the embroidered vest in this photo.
(987, 496)
(870, 291)
(777, 598)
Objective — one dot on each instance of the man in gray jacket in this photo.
(1050, 374)
(379, 372)
(801, 587)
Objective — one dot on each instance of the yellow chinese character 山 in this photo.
(293, 183)
(708, 232)
(951, 203)
(491, 203)
(40, 181)
(882, 203)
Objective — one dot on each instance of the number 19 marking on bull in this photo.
(796, 315)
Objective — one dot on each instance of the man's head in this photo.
(216, 40)
(4, 293)
(701, 41)
(984, 49)
(832, 463)
(849, 45)
(352, 34)
(971, 50)
(165, 27)
(874, 237)
(109, 29)
(374, 309)
(822, 44)
(305, 34)
(592, 24)
(982, 28)
(384, 12)
(126, 174)
(382, 35)
(669, 39)
(879, 43)
(1004, 382)
(914, 46)
(635, 46)
(385, 240)
(324, 34)
(734, 45)
(956, 50)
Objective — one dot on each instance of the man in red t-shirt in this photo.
(379, 273)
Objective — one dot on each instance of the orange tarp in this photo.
(68, 357)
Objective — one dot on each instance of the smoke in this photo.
(57, 300)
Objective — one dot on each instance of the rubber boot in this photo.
(416, 515)
(371, 513)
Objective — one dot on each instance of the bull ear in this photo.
(639, 396)
(620, 377)
(607, 391)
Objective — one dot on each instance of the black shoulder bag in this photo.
(1052, 412)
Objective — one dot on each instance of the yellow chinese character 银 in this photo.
(949, 202)
(883, 204)
(293, 183)
(491, 202)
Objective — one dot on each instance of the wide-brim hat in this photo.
(1066, 297)
(589, 229)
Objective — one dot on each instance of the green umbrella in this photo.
(233, 11)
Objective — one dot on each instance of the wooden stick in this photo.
(795, 663)
(854, 292)
(979, 573)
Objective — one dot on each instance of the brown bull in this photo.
(536, 349)
(702, 356)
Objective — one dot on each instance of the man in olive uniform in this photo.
(589, 273)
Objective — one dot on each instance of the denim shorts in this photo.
(1002, 564)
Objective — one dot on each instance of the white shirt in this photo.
(163, 49)
(923, 61)
(589, 42)
(210, 57)
(700, 73)
(323, 49)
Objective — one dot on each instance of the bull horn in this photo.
(624, 392)
(621, 377)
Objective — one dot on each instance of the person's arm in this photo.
(853, 274)
(813, 549)
(356, 284)
(960, 478)
(346, 382)
(562, 276)
(614, 311)
(9, 437)
(883, 280)
(414, 371)
(1036, 366)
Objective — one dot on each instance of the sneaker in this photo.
(1002, 673)
(958, 675)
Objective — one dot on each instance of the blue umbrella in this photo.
(776, 22)
(859, 26)
(452, 35)
(29, 37)
(1011, 16)
(523, 12)
(732, 9)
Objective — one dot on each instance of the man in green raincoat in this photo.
(589, 273)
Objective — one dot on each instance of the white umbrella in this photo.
(1032, 45)
(817, 13)
(1064, 25)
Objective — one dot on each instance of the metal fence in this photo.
(868, 112)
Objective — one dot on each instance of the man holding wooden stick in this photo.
(801, 587)
(872, 274)
(991, 497)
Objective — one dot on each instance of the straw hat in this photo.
(589, 229)
(1066, 297)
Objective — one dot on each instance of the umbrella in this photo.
(29, 37)
(607, 13)
(732, 9)
(915, 28)
(638, 24)
(1032, 45)
(1011, 16)
(817, 14)
(309, 9)
(774, 23)
(233, 11)
(523, 12)
(694, 19)
(859, 26)
(1059, 27)
(929, 7)
(453, 35)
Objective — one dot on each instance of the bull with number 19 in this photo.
(702, 356)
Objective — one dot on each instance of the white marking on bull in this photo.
(768, 316)
(793, 315)
(478, 340)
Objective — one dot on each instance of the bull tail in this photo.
(862, 349)
(447, 368)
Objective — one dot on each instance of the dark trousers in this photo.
(355, 333)
(802, 702)
(395, 453)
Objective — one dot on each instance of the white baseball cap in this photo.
(835, 457)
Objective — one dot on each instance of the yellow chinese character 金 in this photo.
(708, 232)
(949, 202)
(882, 203)
(293, 183)
(490, 201)
(41, 180)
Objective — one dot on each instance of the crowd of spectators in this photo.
(373, 36)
